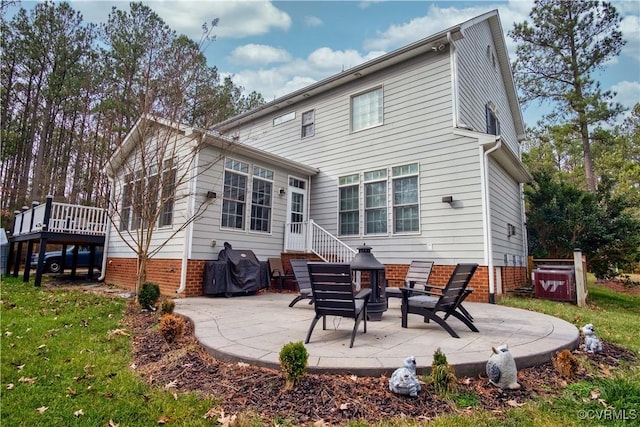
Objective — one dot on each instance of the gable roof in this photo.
(402, 54)
(212, 138)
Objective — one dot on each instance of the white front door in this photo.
(296, 214)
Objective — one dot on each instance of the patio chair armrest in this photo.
(364, 294)
(409, 291)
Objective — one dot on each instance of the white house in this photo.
(415, 153)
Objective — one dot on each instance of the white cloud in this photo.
(313, 21)
(237, 19)
(630, 27)
(627, 93)
(258, 54)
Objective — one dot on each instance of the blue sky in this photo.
(276, 47)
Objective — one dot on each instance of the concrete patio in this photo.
(253, 329)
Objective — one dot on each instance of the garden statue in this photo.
(404, 380)
(592, 344)
(501, 369)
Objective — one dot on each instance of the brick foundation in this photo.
(165, 273)
(121, 272)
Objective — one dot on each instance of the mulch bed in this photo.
(184, 366)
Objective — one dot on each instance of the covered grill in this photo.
(236, 272)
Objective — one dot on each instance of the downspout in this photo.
(188, 232)
(454, 80)
(486, 201)
(106, 237)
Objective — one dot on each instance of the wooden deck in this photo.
(53, 223)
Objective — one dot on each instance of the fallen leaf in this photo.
(226, 421)
(171, 384)
(133, 366)
(20, 367)
(594, 394)
(213, 412)
(320, 423)
(10, 386)
(41, 346)
(28, 380)
(354, 378)
(344, 406)
(514, 403)
(243, 364)
(163, 420)
(71, 391)
(118, 332)
(113, 424)
(78, 412)
(175, 396)
(8, 334)
(42, 409)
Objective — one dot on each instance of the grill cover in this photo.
(236, 272)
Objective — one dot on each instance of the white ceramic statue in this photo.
(592, 344)
(404, 380)
(501, 369)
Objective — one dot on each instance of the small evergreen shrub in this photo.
(443, 376)
(171, 327)
(148, 295)
(167, 306)
(293, 360)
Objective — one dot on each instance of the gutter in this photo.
(454, 80)
(188, 236)
(105, 248)
(486, 201)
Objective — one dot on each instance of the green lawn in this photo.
(66, 360)
(66, 356)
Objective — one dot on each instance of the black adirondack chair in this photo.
(300, 271)
(418, 274)
(333, 295)
(428, 303)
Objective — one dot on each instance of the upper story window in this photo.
(375, 201)
(348, 205)
(234, 194)
(406, 212)
(308, 120)
(366, 110)
(493, 125)
(284, 118)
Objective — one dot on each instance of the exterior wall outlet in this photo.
(213, 243)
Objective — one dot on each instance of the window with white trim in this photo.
(234, 194)
(493, 125)
(261, 197)
(375, 201)
(308, 123)
(366, 109)
(406, 213)
(349, 207)
(141, 195)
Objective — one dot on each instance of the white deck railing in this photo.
(310, 237)
(61, 218)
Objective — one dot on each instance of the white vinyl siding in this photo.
(480, 82)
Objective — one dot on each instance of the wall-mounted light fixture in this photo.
(211, 195)
(447, 199)
(282, 191)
